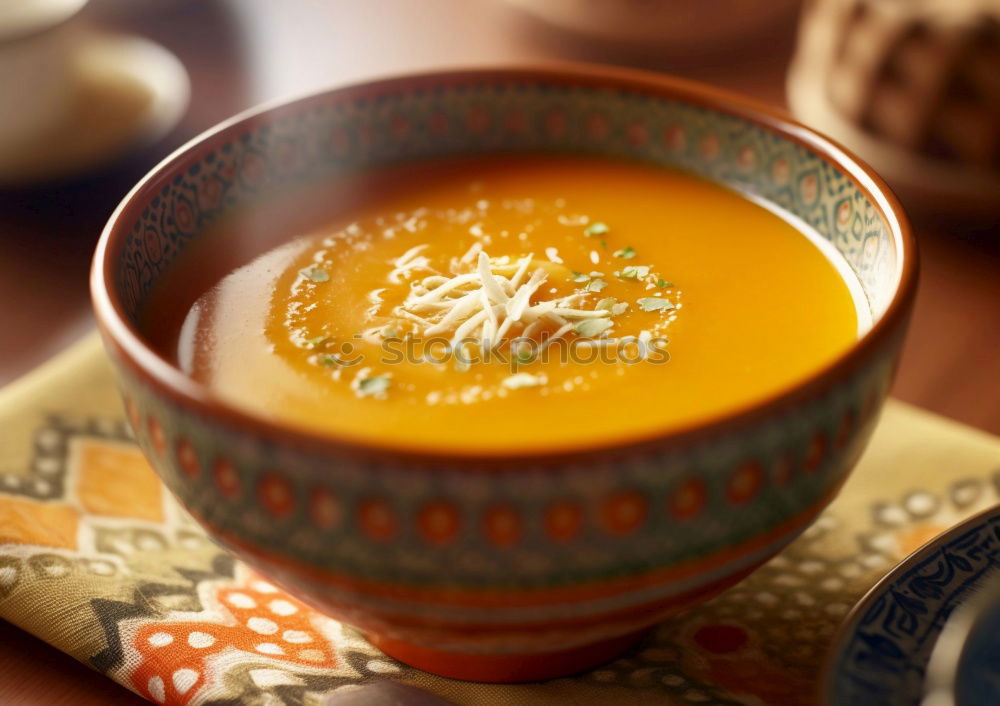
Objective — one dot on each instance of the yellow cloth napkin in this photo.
(98, 560)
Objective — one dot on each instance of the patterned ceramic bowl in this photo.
(507, 568)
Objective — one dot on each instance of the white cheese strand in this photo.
(438, 292)
(468, 327)
(486, 305)
(491, 325)
(515, 281)
(470, 255)
(522, 298)
(462, 308)
(492, 289)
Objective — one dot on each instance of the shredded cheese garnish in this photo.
(497, 301)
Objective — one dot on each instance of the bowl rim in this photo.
(169, 379)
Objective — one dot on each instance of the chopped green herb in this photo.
(595, 285)
(627, 253)
(329, 360)
(654, 304)
(580, 277)
(519, 380)
(604, 244)
(374, 385)
(390, 332)
(664, 283)
(633, 272)
(592, 327)
(316, 274)
(318, 341)
(596, 229)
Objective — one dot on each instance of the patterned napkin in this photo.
(98, 560)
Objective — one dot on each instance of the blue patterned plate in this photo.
(883, 648)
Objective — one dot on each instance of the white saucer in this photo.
(129, 92)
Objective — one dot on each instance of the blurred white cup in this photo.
(38, 39)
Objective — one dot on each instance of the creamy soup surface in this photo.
(506, 304)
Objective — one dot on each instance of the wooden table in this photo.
(247, 51)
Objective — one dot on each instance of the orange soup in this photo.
(504, 304)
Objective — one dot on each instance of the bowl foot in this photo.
(505, 668)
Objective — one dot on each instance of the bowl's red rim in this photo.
(170, 380)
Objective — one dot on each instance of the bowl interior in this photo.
(787, 169)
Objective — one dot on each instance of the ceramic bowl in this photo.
(507, 568)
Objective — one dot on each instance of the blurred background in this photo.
(94, 93)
